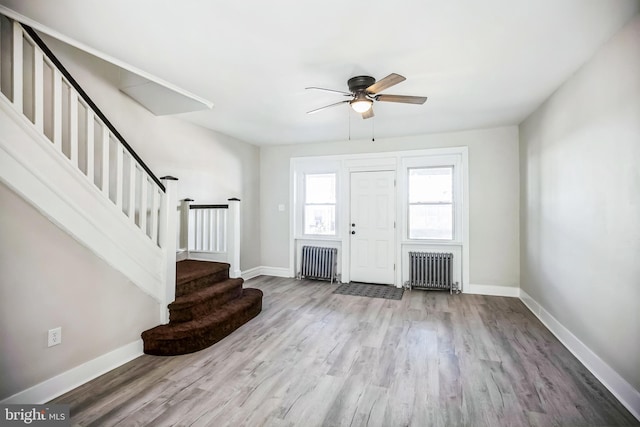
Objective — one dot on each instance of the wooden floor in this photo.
(312, 358)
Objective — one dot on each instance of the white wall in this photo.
(211, 167)
(47, 279)
(580, 167)
(493, 193)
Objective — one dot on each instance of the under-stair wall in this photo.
(48, 280)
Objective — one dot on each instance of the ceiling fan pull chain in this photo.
(373, 129)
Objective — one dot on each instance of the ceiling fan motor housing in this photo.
(360, 83)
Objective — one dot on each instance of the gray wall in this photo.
(580, 205)
(47, 279)
(493, 194)
(211, 167)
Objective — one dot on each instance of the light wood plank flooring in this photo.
(312, 358)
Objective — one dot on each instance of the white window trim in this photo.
(459, 188)
(305, 204)
(398, 161)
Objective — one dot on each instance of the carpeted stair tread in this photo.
(194, 275)
(189, 269)
(203, 301)
(188, 337)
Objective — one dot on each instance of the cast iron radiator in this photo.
(319, 263)
(431, 270)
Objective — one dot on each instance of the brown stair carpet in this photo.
(193, 275)
(208, 307)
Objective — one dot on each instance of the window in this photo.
(431, 203)
(320, 204)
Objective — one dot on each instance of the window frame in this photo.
(305, 204)
(452, 203)
(446, 158)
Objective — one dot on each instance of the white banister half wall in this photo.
(59, 152)
(211, 232)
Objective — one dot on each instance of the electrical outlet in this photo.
(55, 337)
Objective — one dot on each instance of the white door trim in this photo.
(343, 165)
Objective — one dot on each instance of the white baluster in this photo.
(217, 242)
(206, 229)
(73, 126)
(155, 206)
(38, 89)
(144, 184)
(105, 160)
(132, 189)
(57, 109)
(198, 229)
(119, 175)
(17, 66)
(91, 159)
(192, 229)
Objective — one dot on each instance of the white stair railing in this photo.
(52, 100)
(38, 87)
(211, 233)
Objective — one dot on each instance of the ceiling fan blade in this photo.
(368, 114)
(326, 106)
(391, 80)
(402, 99)
(330, 90)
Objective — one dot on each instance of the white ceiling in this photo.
(481, 63)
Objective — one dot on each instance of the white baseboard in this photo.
(265, 271)
(75, 377)
(618, 386)
(251, 273)
(207, 256)
(492, 290)
(275, 271)
(181, 255)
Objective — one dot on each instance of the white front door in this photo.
(372, 227)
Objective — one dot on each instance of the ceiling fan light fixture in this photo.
(361, 104)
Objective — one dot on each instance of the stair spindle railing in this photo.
(40, 88)
(211, 233)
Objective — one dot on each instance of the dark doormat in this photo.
(368, 290)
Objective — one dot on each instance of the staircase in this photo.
(208, 306)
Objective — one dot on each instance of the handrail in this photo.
(91, 104)
(208, 206)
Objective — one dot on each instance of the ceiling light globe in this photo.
(361, 105)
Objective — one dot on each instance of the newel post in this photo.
(184, 225)
(233, 238)
(168, 237)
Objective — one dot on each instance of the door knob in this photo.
(353, 232)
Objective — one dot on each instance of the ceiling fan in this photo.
(363, 90)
